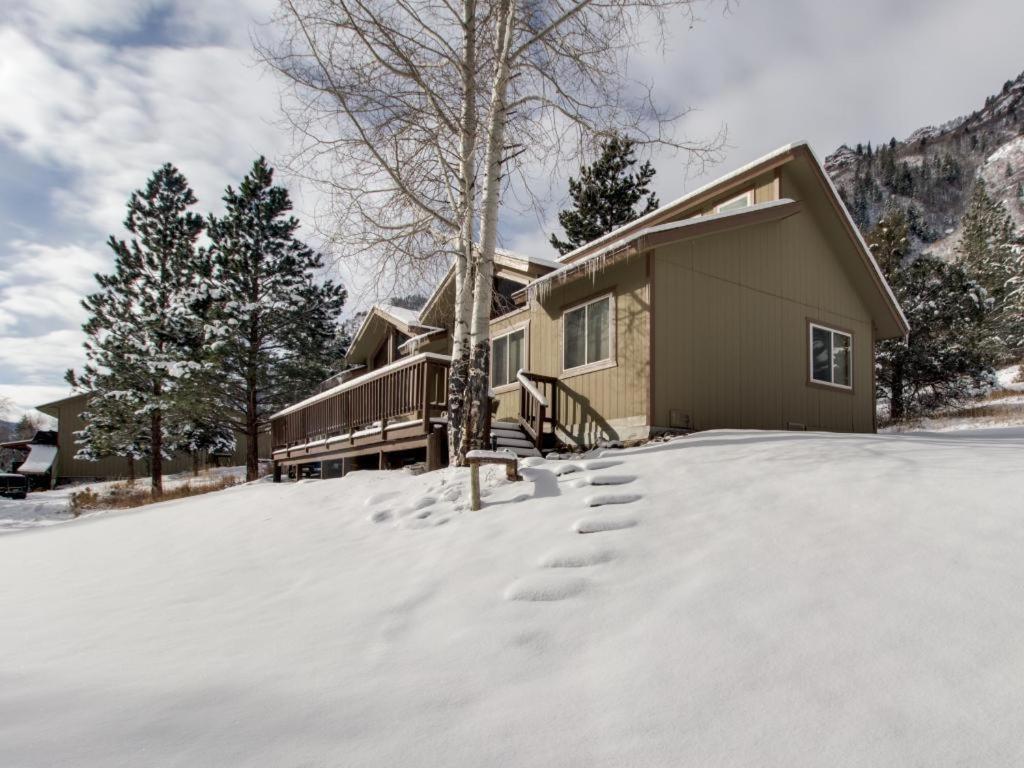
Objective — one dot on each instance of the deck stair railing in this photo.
(538, 404)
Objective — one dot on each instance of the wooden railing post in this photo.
(425, 397)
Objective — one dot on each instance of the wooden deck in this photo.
(395, 408)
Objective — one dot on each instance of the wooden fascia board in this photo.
(640, 242)
(697, 202)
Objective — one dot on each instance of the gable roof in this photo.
(885, 308)
(530, 267)
(405, 320)
(655, 235)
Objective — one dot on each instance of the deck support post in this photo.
(434, 450)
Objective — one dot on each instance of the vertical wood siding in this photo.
(113, 467)
(731, 335)
(598, 404)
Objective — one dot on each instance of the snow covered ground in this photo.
(730, 598)
(1003, 407)
(43, 508)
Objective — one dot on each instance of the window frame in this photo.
(595, 365)
(832, 329)
(748, 194)
(505, 333)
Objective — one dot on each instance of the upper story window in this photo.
(587, 333)
(744, 200)
(831, 356)
(508, 355)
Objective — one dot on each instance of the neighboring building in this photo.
(752, 302)
(67, 468)
(33, 458)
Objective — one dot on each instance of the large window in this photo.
(508, 355)
(587, 334)
(831, 356)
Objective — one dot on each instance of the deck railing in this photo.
(411, 389)
(538, 404)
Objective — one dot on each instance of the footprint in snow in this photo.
(593, 479)
(607, 499)
(377, 498)
(576, 557)
(531, 461)
(598, 464)
(544, 588)
(381, 516)
(604, 523)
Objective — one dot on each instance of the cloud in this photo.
(98, 95)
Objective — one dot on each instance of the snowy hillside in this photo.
(732, 598)
(932, 171)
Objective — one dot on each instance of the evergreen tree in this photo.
(279, 324)
(144, 336)
(989, 250)
(942, 359)
(605, 195)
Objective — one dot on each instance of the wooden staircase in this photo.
(508, 435)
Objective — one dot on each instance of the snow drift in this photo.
(776, 599)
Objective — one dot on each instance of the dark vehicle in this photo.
(13, 486)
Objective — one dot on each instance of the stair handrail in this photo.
(530, 387)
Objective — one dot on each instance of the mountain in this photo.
(931, 172)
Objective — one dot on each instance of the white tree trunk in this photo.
(458, 380)
(479, 369)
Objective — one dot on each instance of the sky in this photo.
(94, 96)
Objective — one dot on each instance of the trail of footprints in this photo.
(611, 512)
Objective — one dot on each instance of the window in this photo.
(586, 334)
(508, 355)
(734, 204)
(831, 356)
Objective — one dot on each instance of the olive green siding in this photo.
(112, 467)
(601, 404)
(731, 331)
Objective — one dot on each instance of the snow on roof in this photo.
(543, 261)
(684, 224)
(616, 233)
(403, 315)
(40, 459)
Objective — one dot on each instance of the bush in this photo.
(126, 496)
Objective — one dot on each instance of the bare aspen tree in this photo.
(399, 106)
(560, 68)
(385, 114)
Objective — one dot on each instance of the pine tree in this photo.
(143, 336)
(989, 250)
(606, 194)
(942, 359)
(278, 323)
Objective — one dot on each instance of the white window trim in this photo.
(525, 328)
(748, 195)
(597, 365)
(810, 356)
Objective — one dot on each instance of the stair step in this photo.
(522, 453)
(514, 442)
(506, 427)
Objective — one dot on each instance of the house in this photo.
(66, 468)
(752, 302)
(34, 458)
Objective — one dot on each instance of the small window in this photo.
(508, 355)
(586, 334)
(831, 356)
(736, 203)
